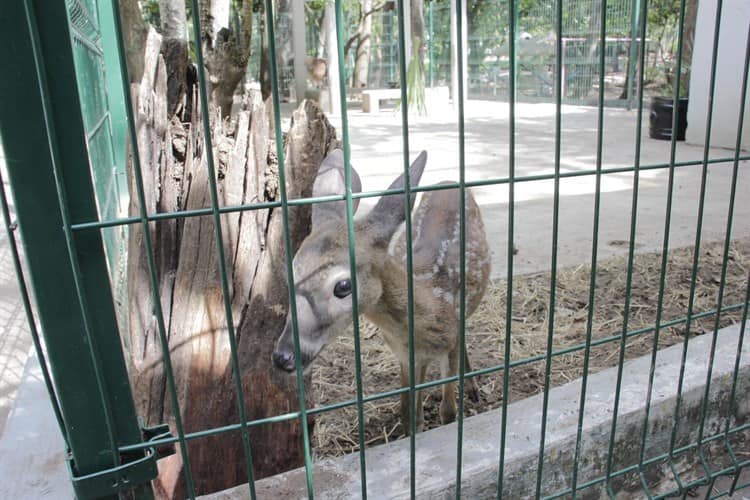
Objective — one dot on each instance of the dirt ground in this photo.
(333, 373)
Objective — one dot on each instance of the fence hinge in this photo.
(156, 433)
(137, 468)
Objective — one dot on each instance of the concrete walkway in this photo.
(15, 340)
(32, 458)
(376, 143)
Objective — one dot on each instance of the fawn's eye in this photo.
(343, 288)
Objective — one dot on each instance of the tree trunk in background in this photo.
(265, 67)
(322, 37)
(582, 84)
(688, 38)
(415, 77)
(284, 36)
(417, 28)
(225, 52)
(174, 49)
(332, 55)
(134, 37)
(454, 54)
(218, 16)
(173, 19)
(175, 176)
(362, 59)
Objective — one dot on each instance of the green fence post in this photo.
(47, 161)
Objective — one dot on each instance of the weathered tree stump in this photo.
(173, 157)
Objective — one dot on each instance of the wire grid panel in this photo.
(487, 65)
(95, 114)
(108, 176)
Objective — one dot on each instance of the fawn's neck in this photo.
(390, 311)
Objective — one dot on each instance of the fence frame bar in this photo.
(555, 234)
(594, 248)
(80, 306)
(696, 247)
(507, 345)
(302, 413)
(129, 117)
(352, 248)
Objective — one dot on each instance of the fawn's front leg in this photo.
(449, 368)
(420, 370)
(470, 384)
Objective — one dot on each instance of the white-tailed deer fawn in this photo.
(323, 286)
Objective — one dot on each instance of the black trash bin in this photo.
(660, 120)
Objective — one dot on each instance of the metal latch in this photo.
(137, 468)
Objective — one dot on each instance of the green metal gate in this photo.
(51, 138)
(63, 124)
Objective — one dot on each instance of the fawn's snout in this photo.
(283, 354)
(318, 320)
(284, 360)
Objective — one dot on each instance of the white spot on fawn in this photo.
(441, 294)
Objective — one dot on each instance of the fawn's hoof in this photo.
(407, 428)
(447, 412)
(473, 391)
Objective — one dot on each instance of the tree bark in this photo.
(175, 175)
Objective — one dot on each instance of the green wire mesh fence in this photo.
(487, 64)
(79, 200)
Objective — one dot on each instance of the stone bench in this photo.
(434, 97)
(371, 98)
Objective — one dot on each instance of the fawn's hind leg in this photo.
(420, 370)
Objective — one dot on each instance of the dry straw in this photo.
(333, 375)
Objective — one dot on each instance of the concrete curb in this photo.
(388, 465)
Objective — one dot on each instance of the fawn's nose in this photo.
(284, 360)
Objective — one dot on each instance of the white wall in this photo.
(735, 19)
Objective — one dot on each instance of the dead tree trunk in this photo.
(173, 156)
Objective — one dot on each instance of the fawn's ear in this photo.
(390, 211)
(330, 181)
